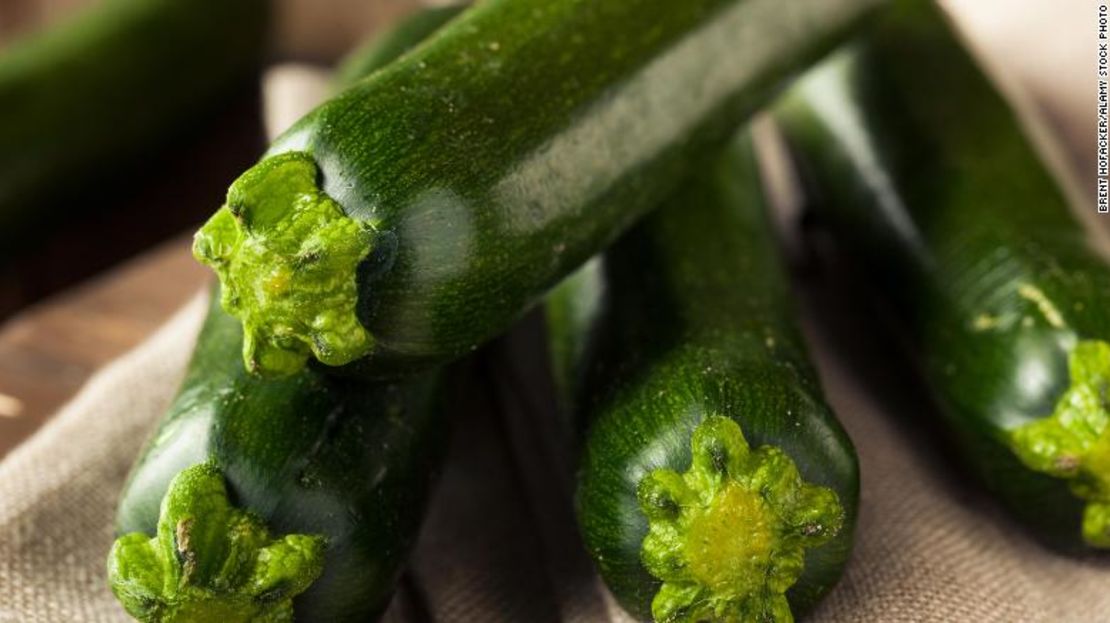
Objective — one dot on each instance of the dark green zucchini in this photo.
(82, 102)
(715, 484)
(921, 168)
(415, 216)
(341, 469)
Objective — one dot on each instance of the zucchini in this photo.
(82, 103)
(714, 484)
(340, 469)
(416, 215)
(921, 169)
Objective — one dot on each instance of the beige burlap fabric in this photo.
(58, 489)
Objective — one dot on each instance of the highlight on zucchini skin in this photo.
(922, 170)
(84, 100)
(493, 160)
(714, 482)
(291, 499)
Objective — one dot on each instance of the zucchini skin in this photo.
(689, 315)
(82, 102)
(921, 169)
(523, 139)
(309, 454)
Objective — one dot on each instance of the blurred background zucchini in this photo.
(83, 103)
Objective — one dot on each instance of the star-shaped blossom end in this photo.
(727, 538)
(211, 561)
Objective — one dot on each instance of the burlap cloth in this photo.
(500, 544)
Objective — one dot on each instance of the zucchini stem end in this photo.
(287, 258)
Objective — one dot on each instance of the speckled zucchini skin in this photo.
(687, 316)
(525, 137)
(922, 170)
(80, 102)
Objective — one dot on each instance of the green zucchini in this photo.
(83, 102)
(714, 484)
(922, 170)
(341, 468)
(416, 215)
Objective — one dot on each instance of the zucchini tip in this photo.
(287, 256)
(727, 538)
(1073, 442)
(211, 561)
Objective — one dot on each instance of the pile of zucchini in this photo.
(594, 157)
(280, 499)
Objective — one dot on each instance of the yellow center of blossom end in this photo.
(728, 537)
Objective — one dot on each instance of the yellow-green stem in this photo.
(287, 256)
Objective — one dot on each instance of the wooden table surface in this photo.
(48, 351)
